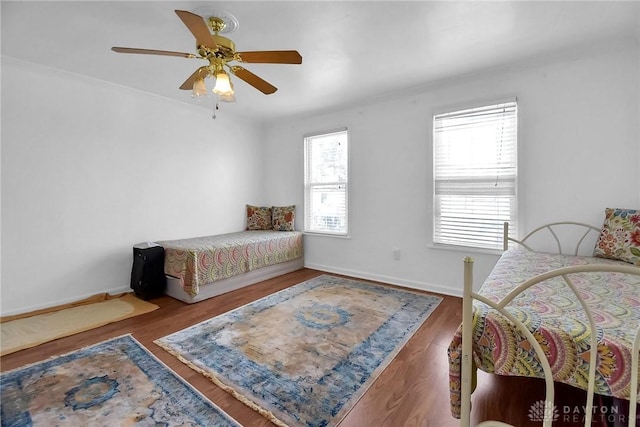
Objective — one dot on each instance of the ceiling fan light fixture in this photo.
(223, 84)
(199, 88)
(219, 51)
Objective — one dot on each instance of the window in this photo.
(326, 175)
(475, 171)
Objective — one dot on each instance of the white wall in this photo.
(89, 169)
(579, 145)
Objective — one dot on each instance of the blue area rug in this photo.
(305, 355)
(113, 383)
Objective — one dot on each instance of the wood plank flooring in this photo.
(412, 391)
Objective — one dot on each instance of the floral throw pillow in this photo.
(258, 217)
(284, 217)
(620, 236)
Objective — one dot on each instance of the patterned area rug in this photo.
(113, 383)
(305, 355)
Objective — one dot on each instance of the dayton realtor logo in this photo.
(541, 412)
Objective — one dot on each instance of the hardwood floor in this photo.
(412, 391)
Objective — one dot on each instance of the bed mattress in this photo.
(202, 260)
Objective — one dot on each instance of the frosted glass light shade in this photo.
(199, 88)
(223, 85)
(228, 96)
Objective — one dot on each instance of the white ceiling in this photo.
(352, 51)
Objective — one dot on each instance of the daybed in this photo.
(534, 314)
(203, 267)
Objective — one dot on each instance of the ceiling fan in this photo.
(219, 51)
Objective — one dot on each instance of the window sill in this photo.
(466, 249)
(320, 234)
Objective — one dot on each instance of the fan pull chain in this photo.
(216, 107)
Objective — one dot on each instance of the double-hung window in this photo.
(326, 186)
(475, 175)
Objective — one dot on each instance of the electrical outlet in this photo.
(396, 254)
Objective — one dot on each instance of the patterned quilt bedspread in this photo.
(557, 320)
(201, 260)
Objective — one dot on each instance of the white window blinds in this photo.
(475, 171)
(326, 183)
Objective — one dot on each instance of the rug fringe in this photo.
(251, 404)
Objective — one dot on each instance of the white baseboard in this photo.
(56, 303)
(423, 286)
(429, 287)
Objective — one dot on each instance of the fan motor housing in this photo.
(220, 47)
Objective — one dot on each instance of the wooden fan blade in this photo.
(255, 81)
(197, 26)
(201, 73)
(152, 52)
(270, 57)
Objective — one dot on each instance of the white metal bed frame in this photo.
(585, 228)
(467, 331)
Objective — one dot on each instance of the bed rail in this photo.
(583, 228)
(467, 337)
